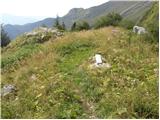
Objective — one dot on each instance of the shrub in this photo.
(20, 54)
(5, 40)
(73, 28)
(74, 46)
(151, 21)
(83, 25)
(110, 19)
(153, 28)
(126, 24)
(43, 38)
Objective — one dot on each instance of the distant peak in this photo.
(75, 10)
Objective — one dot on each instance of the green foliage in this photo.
(5, 40)
(110, 19)
(63, 26)
(22, 53)
(58, 25)
(83, 25)
(126, 24)
(43, 39)
(73, 27)
(151, 21)
(75, 46)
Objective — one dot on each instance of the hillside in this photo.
(56, 79)
(15, 30)
(131, 10)
(151, 20)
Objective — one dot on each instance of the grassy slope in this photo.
(151, 20)
(56, 81)
(151, 16)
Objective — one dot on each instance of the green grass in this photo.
(23, 52)
(64, 85)
(151, 22)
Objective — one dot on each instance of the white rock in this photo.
(139, 30)
(33, 77)
(31, 33)
(7, 89)
(98, 59)
(97, 62)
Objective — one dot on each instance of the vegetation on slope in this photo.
(5, 40)
(151, 21)
(56, 80)
(110, 19)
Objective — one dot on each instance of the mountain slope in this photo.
(14, 30)
(57, 80)
(20, 20)
(132, 10)
(151, 20)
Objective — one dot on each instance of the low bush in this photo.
(74, 46)
(18, 55)
(83, 25)
(126, 24)
(112, 19)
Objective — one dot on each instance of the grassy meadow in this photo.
(54, 79)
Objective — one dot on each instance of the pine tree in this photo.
(73, 26)
(57, 22)
(5, 40)
(63, 26)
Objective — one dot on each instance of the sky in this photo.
(44, 8)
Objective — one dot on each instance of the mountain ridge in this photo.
(89, 14)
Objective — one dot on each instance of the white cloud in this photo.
(47, 8)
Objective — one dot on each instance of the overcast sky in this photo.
(46, 8)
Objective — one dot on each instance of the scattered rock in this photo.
(156, 71)
(42, 87)
(33, 77)
(98, 58)
(139, 30)
(7, 89)
(115, 31)
(99, 62)
(31, 34)
(42, 37)
(42, 31)
(103, 65)
(59, 34)
(16, 98)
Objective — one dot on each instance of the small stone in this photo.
(98, 62)
(42, 87)
(98, 58)
(139, 30)
(7, 89)
(33, 77)
(16, 99)
(39, 95)
(36, 68)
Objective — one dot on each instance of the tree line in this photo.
(113, 19)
